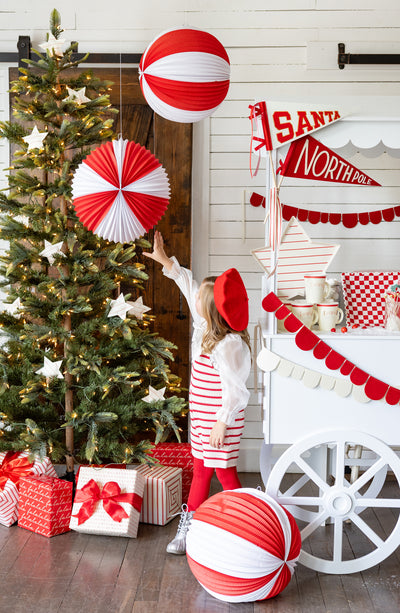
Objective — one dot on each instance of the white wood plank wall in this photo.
(282, 50)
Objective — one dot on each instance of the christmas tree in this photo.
(75, 379)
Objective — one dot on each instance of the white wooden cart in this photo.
(326, 432)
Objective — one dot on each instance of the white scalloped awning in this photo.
(370, 135)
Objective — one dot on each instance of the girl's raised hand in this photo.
(158, 254)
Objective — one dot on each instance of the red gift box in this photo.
(45, 505)
(13, 467)
(364, 297)
(180, 455)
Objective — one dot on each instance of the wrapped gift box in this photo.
(45, 505)
(107, 501)
(177, 454)
(121, 466)
(14, 466)
(364, 297)
(162, 498)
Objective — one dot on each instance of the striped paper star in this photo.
(298, 256)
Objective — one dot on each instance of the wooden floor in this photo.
(96, 574)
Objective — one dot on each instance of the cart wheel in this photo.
(372, 491)
(338, 548)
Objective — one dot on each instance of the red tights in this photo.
(202, 476)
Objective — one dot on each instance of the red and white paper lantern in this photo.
(242, 546)
(120, 191)
(184, 74)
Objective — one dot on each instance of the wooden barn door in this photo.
(171, 143)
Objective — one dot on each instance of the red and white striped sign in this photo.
(279, 123)
(307, 158)
(298, 256)
(162, 496)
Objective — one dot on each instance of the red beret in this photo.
(231, 299)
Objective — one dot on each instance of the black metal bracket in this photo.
(24, 51)
(365, 58)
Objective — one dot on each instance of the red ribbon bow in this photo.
(14, 467)
(111, 496)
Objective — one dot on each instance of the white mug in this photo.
(317, 289)
(280, 325)
(329, 314)
(305, 312)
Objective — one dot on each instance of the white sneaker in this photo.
(178, 545)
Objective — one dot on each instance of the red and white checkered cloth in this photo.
(364, 296)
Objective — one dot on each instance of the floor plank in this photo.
(100, 574)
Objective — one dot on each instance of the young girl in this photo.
(220, 367)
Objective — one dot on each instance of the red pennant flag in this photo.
(307, 158)
(278, 123)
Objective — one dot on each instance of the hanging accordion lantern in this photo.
(184, 74)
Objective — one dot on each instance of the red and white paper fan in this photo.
(184, 74)
(120, 191)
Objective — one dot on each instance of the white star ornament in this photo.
(50, 369)
(137, 308)
(53, 46)
(13, 308)
(154, 394)
(119, 307)
(77, 96)
(35, 139)
(50, 251)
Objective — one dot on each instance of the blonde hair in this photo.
(217, 328)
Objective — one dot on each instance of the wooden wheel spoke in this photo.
(312, 501)
(340, 453)
(365, 477)
(296, 486)
(338, 539)
(306, 468)
(312, 526)
(364, 527)
(390, 503)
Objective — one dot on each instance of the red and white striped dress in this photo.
(205, 399)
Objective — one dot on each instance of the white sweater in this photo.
(230, 357)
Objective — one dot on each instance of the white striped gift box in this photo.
(101, 522)
(9, 495)
(162, 497)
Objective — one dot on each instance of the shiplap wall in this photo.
(282, 50)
